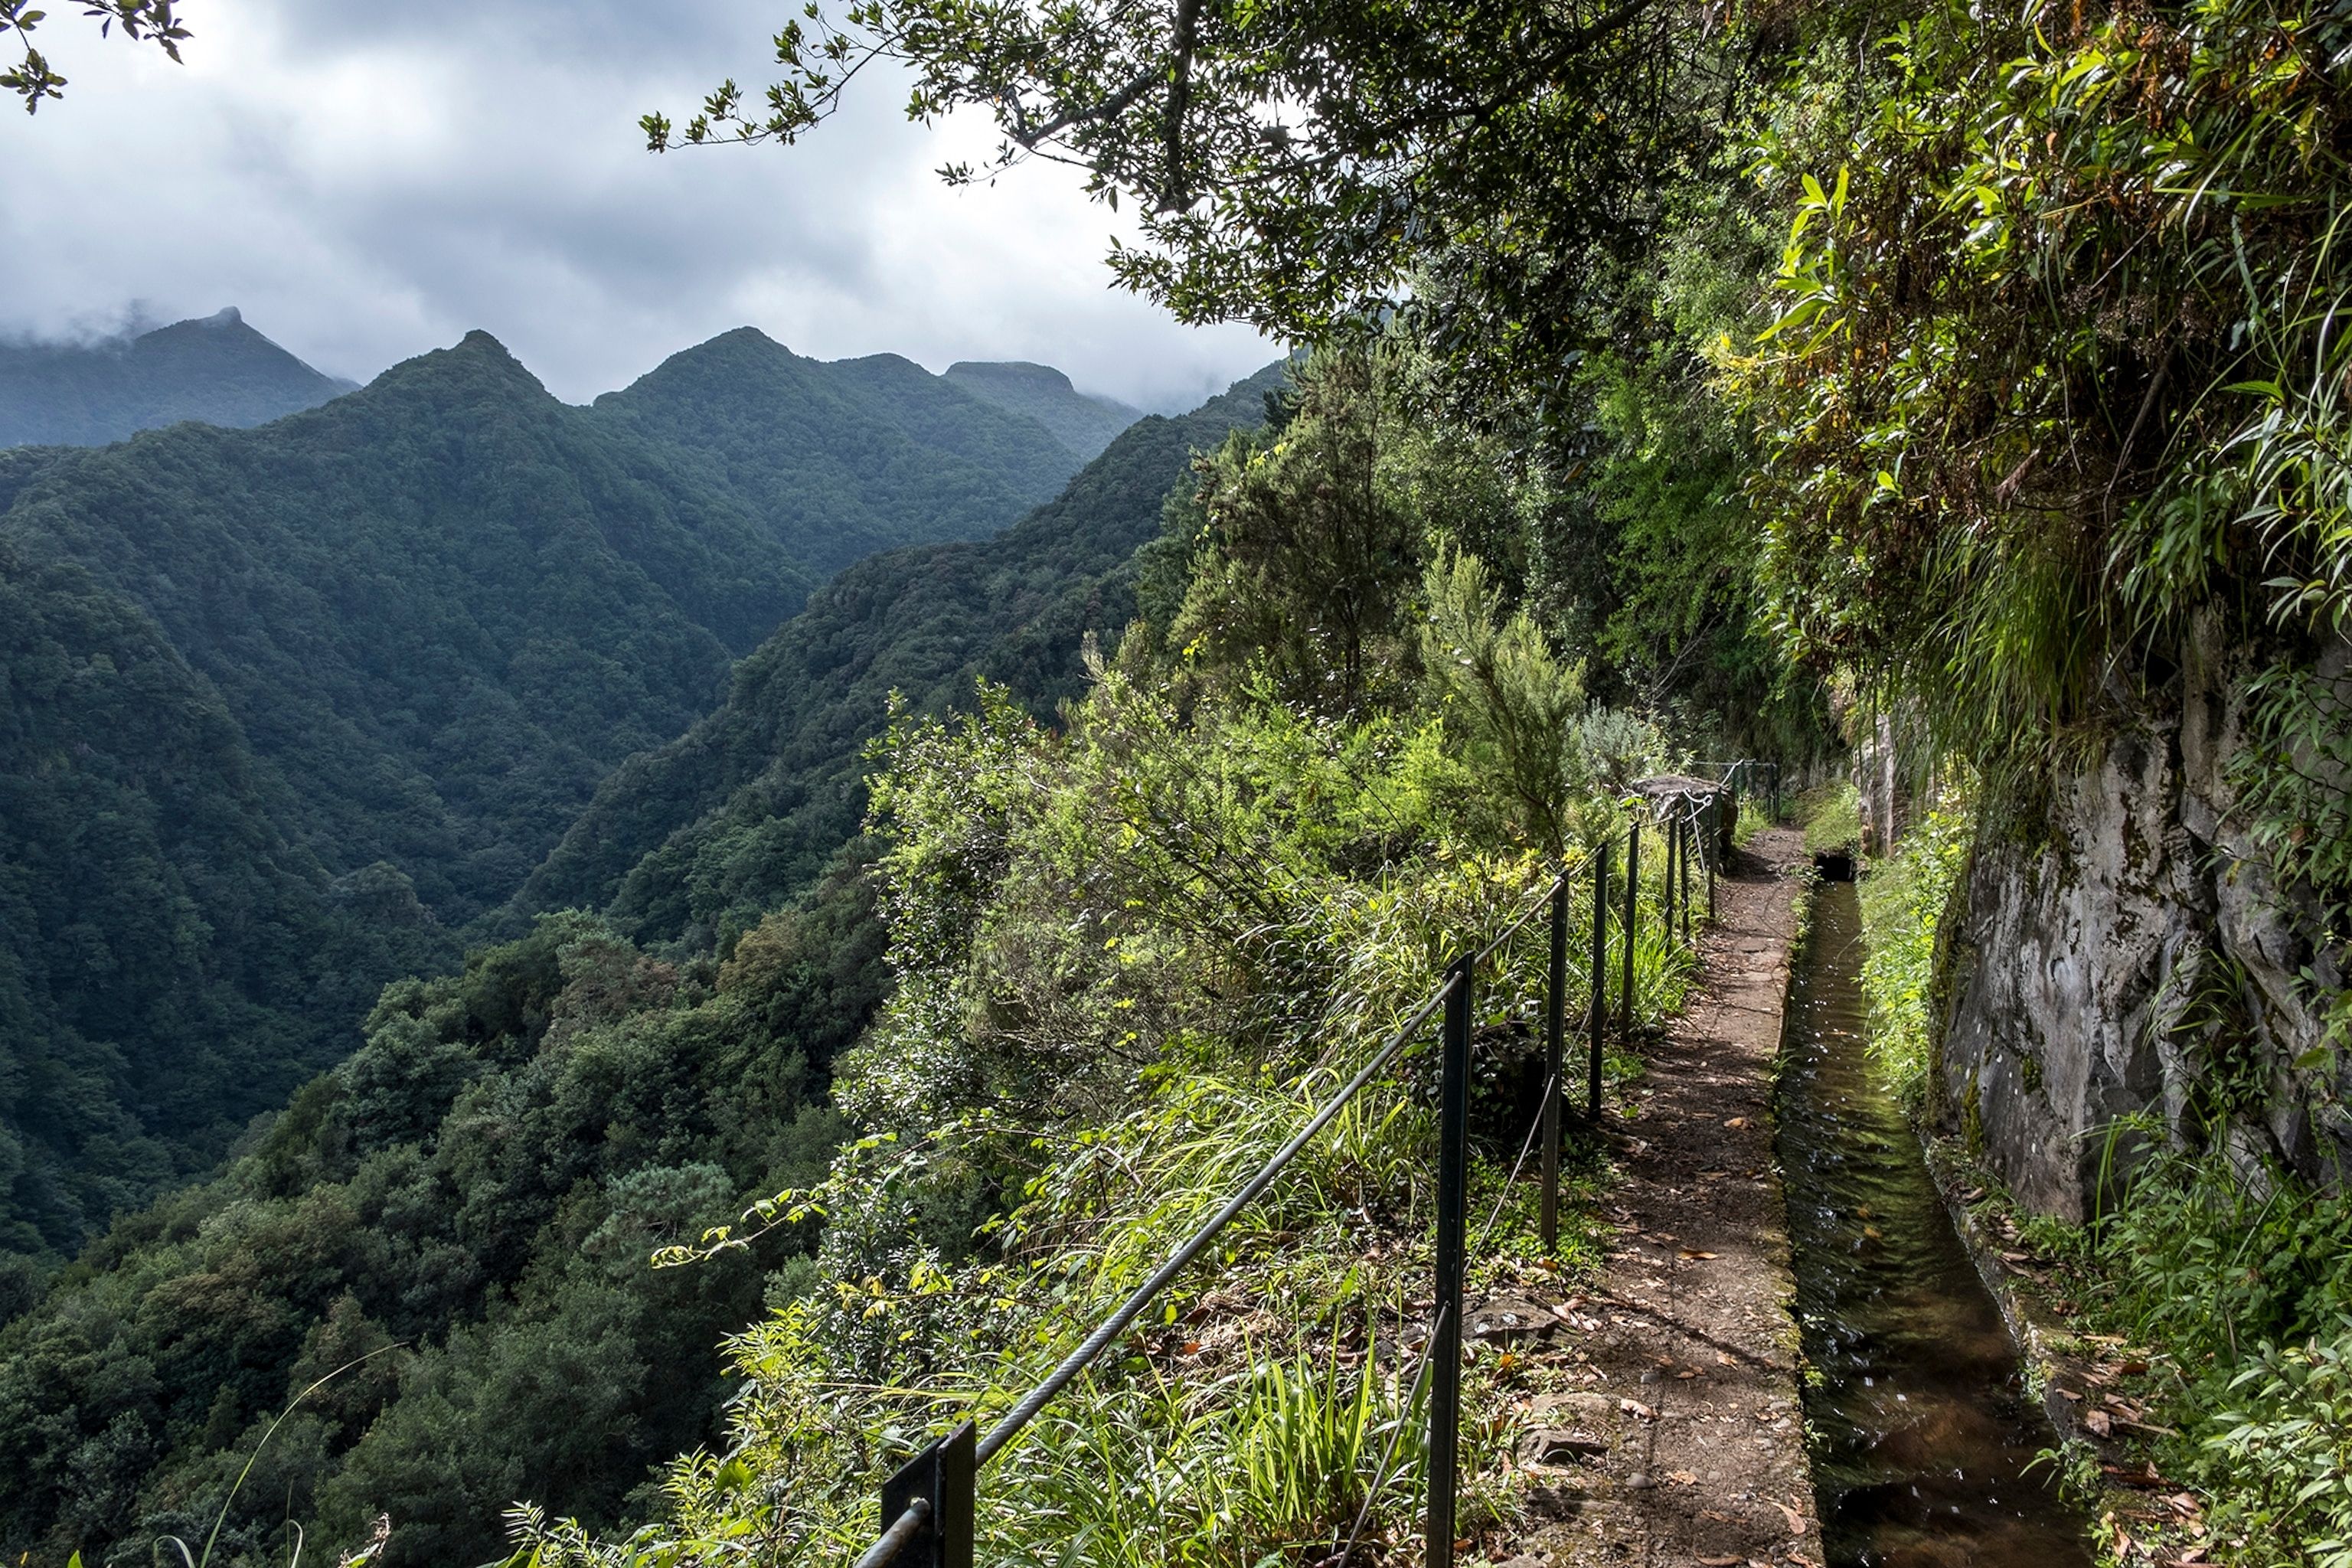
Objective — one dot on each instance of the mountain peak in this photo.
(1083, 424)
(1009, 370)
(217, 369)
(475, 367)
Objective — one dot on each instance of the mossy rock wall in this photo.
(2126, 950)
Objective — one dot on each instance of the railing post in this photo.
(1683, 868)
(1554, 1084)
(1632, 918)
(1673, 835)
(1599, 1011)
(1453, 1226)
(940, 1478)
(1713, 850)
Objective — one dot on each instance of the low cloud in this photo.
(369, 182)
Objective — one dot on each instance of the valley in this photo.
(1677, 893)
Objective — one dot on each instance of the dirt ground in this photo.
(1676, 1437)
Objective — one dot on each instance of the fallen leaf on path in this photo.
(1796, 1519)
(2097, 1421)
(1694, 1252)
(1635, 1407)
(1737, 1122)
(1682, 1477)
(1721, 1562)
(2069, 1393)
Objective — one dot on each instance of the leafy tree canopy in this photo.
(1297, 164)
(34, 79)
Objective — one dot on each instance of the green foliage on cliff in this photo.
(2050, 394)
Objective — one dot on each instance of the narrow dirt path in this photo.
(1675, 1436)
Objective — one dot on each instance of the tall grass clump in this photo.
(1832, 817)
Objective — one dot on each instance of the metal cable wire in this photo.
(1078, 1360)
(1551, 1086)
(904, 1529)
(1109, 1329)
(1542, 902)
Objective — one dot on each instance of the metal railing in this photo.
(929, 1504)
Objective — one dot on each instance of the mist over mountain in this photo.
(214, 368)
(1081, 421)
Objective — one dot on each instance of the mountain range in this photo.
(284, 709)
(459, 1210)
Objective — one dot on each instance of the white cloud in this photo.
(369, 182)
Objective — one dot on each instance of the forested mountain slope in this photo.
(480, 1183)
(840, 460)
(439, 608)
(171, 963)
(215, 369)
(1081, 421)
(740, 812)
(284, 707)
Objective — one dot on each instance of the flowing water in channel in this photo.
(1920, 1426)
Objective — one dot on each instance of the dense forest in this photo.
(1082, 422)
(217, 370)
(408, 633)
(699, 837)
(838, 460)
(481, 1182)
(1954, 393)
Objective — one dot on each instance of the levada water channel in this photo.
(1921, 1430)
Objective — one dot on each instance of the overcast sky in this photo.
(369, 179)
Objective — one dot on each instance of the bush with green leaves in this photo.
(1133, 954)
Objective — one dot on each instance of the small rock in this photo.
(1560, 1445)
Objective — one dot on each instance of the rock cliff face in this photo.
(2124, 950)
